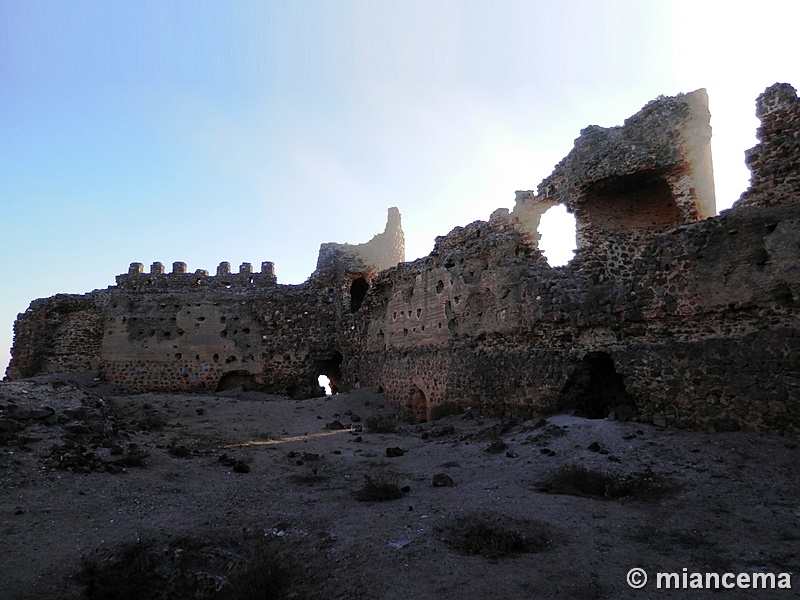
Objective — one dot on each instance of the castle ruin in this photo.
(667, 314)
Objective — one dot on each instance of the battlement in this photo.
(181, 279)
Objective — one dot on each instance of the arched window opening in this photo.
(558, 236)
(358, 291)
(595, 389)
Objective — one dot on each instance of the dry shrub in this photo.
(135, 416)
(186, 568)
(379, 487)
(128, 573)
(494, 537)
(576, 480)
(265, 576)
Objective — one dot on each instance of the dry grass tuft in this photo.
(379, 487)
(493, 537)
(576, 480)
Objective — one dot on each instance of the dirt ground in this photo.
(87, 472)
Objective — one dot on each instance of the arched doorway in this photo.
(332, 369)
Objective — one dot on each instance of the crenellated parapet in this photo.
(181, 279)
(168, 328)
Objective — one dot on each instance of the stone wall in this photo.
(383, 251)
(183, 331)
(667, 314)
(663, 314)
(272, 339)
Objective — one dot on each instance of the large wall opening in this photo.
(325, 383)
(330, 368)
(235, 379)
(639, 201)
(558, 236)
(595, 389)
(358, 291)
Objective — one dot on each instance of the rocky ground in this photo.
(243, 495)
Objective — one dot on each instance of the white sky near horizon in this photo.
(249, 131)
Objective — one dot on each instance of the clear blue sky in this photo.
(250, 131)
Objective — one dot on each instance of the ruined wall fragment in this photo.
(59, 334)
(775, 162)
(384, 250)
(625, 184)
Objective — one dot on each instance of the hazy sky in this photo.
(251, 131)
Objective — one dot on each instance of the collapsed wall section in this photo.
(775, 162)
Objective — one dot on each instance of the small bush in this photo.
(496, 447)
(136, 457)
(580, 481)
(444, 410)
(311, 477)
(265, 576)
(379, 488)
(151, 420)
(129, 573)
(493, 537)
